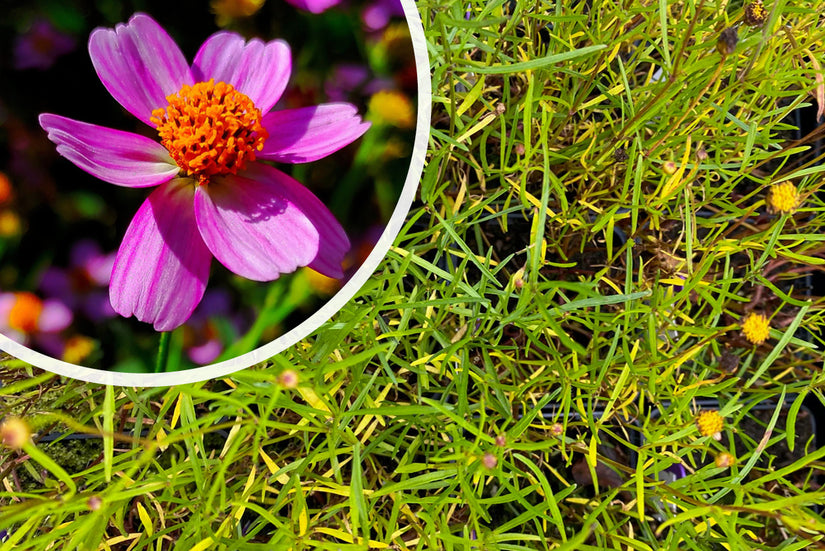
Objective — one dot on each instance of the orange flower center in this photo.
(210, 129)
(25, 313)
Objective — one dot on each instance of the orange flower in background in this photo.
(25, 312)
(24, 315)
(6, 192)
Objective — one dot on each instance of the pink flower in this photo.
(314, 6)
(378, 13)
(214, 196)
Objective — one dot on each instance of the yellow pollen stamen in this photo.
(25, 313)
(210, 128)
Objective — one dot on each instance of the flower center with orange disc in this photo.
(210, 129)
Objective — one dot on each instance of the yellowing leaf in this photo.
(203, 545)
(145, 519)
(273, 467)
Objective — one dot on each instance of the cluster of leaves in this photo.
(525, 368)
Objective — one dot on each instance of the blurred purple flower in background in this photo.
(378, 13)
(212, 198)
(40, 46)
(350, 80)
(82, 286)
(201, 338)
(314, 6)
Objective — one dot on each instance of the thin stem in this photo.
(163, 352)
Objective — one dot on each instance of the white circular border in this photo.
(326, 311)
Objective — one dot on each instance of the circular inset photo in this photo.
(188, 188)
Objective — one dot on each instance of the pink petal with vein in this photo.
(263, 223)
(114, 156)
(162, 265)
(139, 64)
(261, 71)
(310, 133)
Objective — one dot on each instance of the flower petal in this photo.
(205, 353)
(262, 223)
(54, 317)
(162, 265)
(314, 6)
(261, 71)
(139, 64)
(114, 156)
(310, 133)
(7, 301)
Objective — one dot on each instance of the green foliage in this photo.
(529, 359)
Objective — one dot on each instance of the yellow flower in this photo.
(77, 349)
(396, 37)
(756, 328)
(710, 424)
(783, 198)
(10, 224)
(320, 283)
(14, 432)
(227, 10)
(393, 108)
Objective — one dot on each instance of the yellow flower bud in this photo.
(14, 432)
(725, 460)
(288, 378)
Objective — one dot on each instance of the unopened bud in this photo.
(288, 379)
(14, 432)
